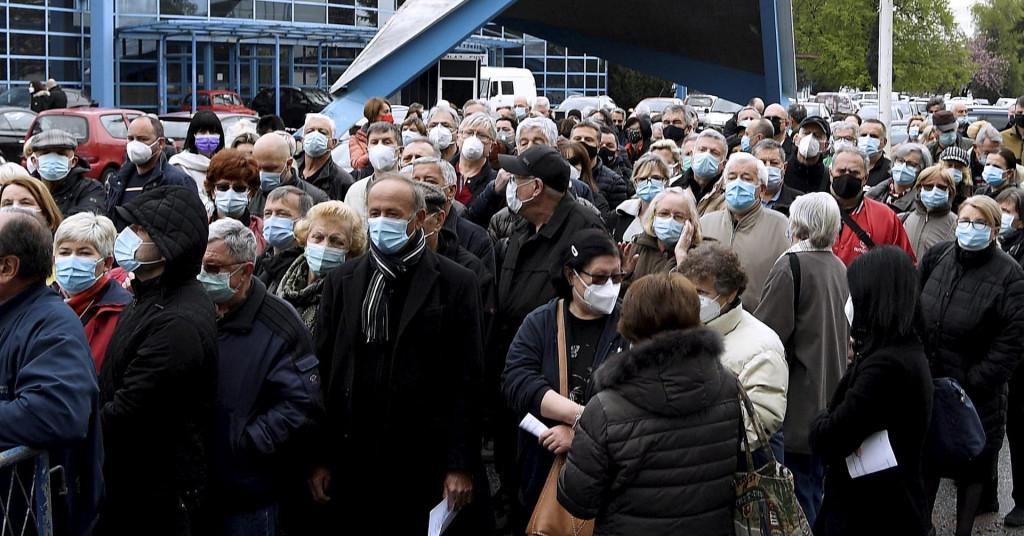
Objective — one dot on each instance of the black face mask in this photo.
(1019, 120)
(591, 151)
(674, 133)
(633, 136)
(846, 186)
(607, 156)
(777, 125)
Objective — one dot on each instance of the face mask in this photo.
(809, 147)
(958, 176)
(76, 274)
(140, 153)
(983, 159)
(53, 166)
(520, 112)
(934, 198)
(774, 178)
(745, 144)
(869, 145)
(709, 308)
(903, 175)
(441, 136)
(388, 118)
(514, 203)
(505, 137)
(408, 135)
(947, 138)
(687, 162)
(668, 230)
(232, 203)
(846, 186)
(1019, 120)
(269, 180)
(993, 176)
(314, 144)
(322, 259)
(972, 239)
(389, 234)
(607, 156)
(649, 188)
(207, 143)
(913, 132)
(591, 151)
(599, 298)
(1005, 226)
(472, 148)
(218, 286)
(740, 195)
(125, 246)
(961, 120)
(670, 132)
(382, 157)
(574, 174)
(279, 231)
(705, 165)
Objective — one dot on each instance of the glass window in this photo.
(507, 88)
(139, 96)
(69, 4)
(202, 100)
(24, 69)
(534, 48)
(67, 70)
(6, 125)
(273, 11)
(308, 13)
(576, 81)
(190, 8)
(555, 65)
(29, 44)
(67, 46)
(574, 65)
(344, 16)
(19, 120)
(175, 129)
(555, 49)
(75, 125)
(233, 9)
(63, 21)
(535, 65)
(114, 125)
(27, 19)
(137, 7)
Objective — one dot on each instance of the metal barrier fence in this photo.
(25, 493)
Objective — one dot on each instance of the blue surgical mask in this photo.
(322, 259)
(745, 143)
(687, 162)
(903, 174)
(962, 120)
(279, 231)
(314, 144)
(269, 180)
(705, 165)
(218, 286)
(76, 274)
(232, 203)
(740, 195)
(934, 198)
(958, 176)
(993, 176)
(982, 159)
(389, 234)
(774, 177)
(1006, 225)
(649, 188)
(869, 145)
(53, 166)
(125, 247)
(947, 138)
(668, 230)
(914, 132)
(973, 239)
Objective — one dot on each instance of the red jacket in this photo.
(882, 225)
(99, 307)
(357, 150)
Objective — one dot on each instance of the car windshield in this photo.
(579, 103)
(724, 106)
(871, 112)
(77, 126)
(813, 109)
(20, 121)
(226, 99)
(699, 102)
(657, 105)
(16, 96)
(175, 129)
(318, 96)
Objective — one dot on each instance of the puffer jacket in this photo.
(656, 448)
(357, 150)
(974, 325)
(612, 186)
(756, 355)
(1011, 243)
(925, 229)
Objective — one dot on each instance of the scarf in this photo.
(294, 289)
(83, 301)
(386, 270)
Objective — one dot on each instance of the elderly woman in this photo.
(804, 302)
(330, 233)
(204, 138)
(83, 252)
(655, 449)
(887, 388)
(587, 282)
(673, 155)
(958, 162)
(232, 180)
(30, 193)
(933, 219)
(671, 230)
(752, 350)
(898, 191)
(1000, 173)
(971, 295)
(650, 178)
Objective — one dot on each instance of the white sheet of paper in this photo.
(875, 455)
(440, 518)
(533, 425)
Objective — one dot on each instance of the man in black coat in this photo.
(805, 169)
(159, 377)
(777, 196)
(317, 166)
(58, 99)
(398, 340)
(53, 155)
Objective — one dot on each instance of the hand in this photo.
(458, 489)
(628, 258)
(557, 439)
(127, 285)
(684, 243)
(501, 181)
(320, 484)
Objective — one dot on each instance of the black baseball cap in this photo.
(540, 161)
(821, 123)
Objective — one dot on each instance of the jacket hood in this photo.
(673, 373)
(176, 220)
(189, 160)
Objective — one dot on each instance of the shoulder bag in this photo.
(956, 434)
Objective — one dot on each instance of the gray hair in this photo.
(715, 135)
(655, 160)
(770, 144)
(619, 111)
(814, 217)
(238, 238)
(384, 126)
(677, 153)
(745, 108)
(852, 149)
(419, 203)
(846, 125)
(676, 109)
(434, 198)
(424, 139)
(541, 101)
(320, 117)
(906, 148)
(543, 124)
(97, 231)
(481, 120)
(445, 109)
(988, 133)
(447, 169)
(280, 193)
(742, 158)
(478, 102)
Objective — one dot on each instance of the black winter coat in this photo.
(807, 179)
(78, 193)
(612, 186)
(330, 178)
(974, 325)
(655, 451)
(58, 99)
(1013, 244)
(889, 389)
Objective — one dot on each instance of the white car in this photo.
(720, 113)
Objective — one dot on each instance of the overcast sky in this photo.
(962, 11)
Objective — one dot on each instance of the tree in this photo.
(628, 87)
(990, 74)
(1002, 23)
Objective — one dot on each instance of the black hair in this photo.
(1015, 196)
(797, 112)
(27, 237)
(269, 123)
(1011, 159)
(606, 118)
(203, 121)
(936, 101)
(584, 247)
(646, 130)
(886, 298)
(512, 120)
(575, 113)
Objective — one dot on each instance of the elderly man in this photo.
(63, 172)
(521, 105)
(779, 119)
(935, 105)
(267, 387)
(676, 123)
(898, 192)
(473, 106)
(962, 121)
(610, 183)
(776, 196)
(285, 206)
(706, 166)
(738, 122)
(277, 169)
(805, 170)
(757, 235)
(147, 168)
(317, 166)
(947, 135)
(159, 378)
(756, 131)
(987, 141)
(442, 123)
(391, 374)
(419, 147)
(384, 145)
(872, 141)
(866, 222)
(47, 377)
(541, 107)
(477, 135)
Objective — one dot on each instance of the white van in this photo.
(500, 85)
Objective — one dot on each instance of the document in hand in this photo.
(875, 455)
(440, 517)
(533, 425)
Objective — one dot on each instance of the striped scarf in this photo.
(386, 269)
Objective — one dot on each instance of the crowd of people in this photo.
(245, 338)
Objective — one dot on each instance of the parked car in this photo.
(21, 97)
(581, 103)
(296, 102)
(657, 105)
(1005, 102)
(871, 112)
(216, 100)
(998, 116)
(720, 113)
(176, 124)
(837, 102)
(14, 125)
(701, 104)
(101, 133)
(817, 109)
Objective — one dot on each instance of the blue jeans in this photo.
(808, 476)
(262, 522)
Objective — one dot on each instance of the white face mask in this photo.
(599, 298)
(382, 157)
(441, 136)
(140, 153)
(472, 148)
(809, 147)
(709, 308)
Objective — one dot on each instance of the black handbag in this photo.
(956, 434)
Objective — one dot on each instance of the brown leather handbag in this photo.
(549, 518)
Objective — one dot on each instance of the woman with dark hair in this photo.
(580, 164)
(587, 283)
(887, 389)
(1000, 173)
(655, 449)
(566, 125)
(231, 181)
(638, 137)
(204, 138)
(1011, 228)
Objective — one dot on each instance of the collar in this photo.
(771, 202)
(974, 258)
(562, 212)
(883, 162)
(630, 207)
(241, 318)
(897, 196)
(316, 175)
(728, 321)
(860, 206)
(748, 220)
(26, 297)
(804, 245)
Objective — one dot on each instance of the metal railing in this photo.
(25, 493)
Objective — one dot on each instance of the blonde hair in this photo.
(987, 206)
(931, 172)
(338, 212)
(671, 146)
(691, 210)
(40, 193)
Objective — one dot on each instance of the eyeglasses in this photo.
(678, 216)
(928, 187)
(978, 225)
(602, 279)
(214, 269)
(224, 186)
(900, 160)
(483, 137)
(641, 180)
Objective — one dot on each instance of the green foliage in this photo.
(628, 87)
(1002, 22)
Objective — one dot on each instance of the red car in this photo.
(216, 100)
(102, 135)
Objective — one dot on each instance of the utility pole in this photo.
(885, 65)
